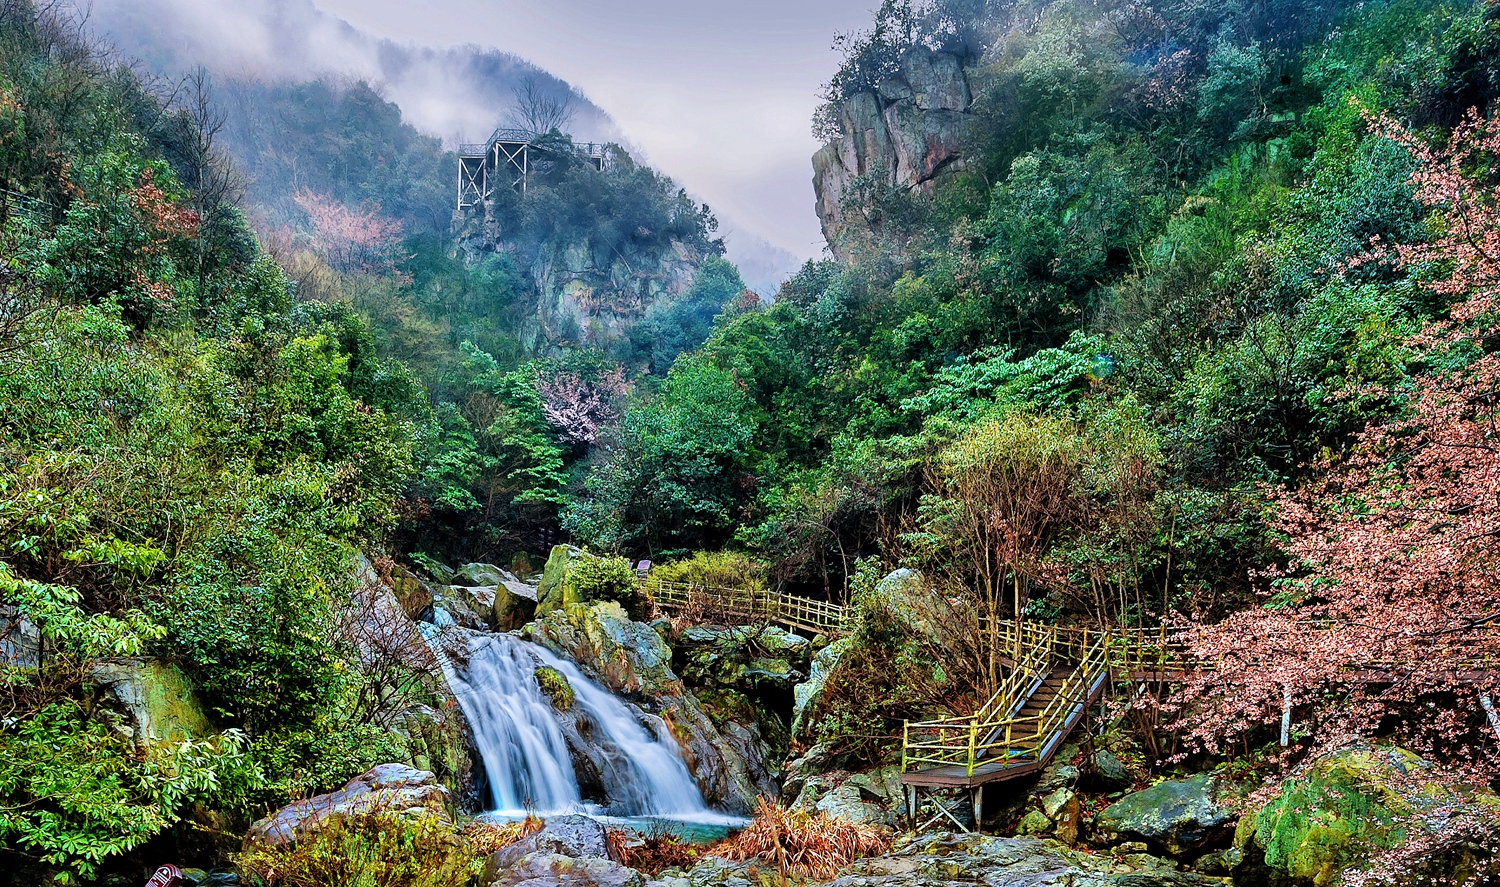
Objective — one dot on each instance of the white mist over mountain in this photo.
(742, 144)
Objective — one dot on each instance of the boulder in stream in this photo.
(957, 860)
(579, 837)
(556, 870)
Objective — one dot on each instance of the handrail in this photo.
(791, 610)
(995, 730)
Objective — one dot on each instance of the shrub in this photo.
(802, 844)
(719, 569)
(554, 685)
(604, 579)
(380, 850)
(485, 838)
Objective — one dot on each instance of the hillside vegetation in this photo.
(1196, 324)
(1196, 328)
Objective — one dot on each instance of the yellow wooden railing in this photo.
(994, 733)
(952, 740)
(754, 605)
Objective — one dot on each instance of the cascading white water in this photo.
(526, 756)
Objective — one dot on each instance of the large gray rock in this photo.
(578, 837)
(1179, 816)
(467, 606)
(1108, 772)
(389, 788)
(20, 639)
(908, 131)
(557, 870)
(158, 700)
(952, 860)
(806, 695)
(477, 574)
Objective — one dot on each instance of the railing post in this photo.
(905, 742)
(973, 741)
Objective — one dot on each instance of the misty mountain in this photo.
(459, 94)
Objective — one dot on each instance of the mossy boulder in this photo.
(414, 595)
(807, 694)
(1337, 811)
(159, 700)
(573, 577)
(554, 685)
(1179, 817)
(477, 574)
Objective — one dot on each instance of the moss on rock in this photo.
(554, 685)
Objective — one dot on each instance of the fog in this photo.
(717, 95)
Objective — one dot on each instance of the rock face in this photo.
(20, 639)
(388, 788)
(158, 699)
(907, 132)
(805, 696)
(382, 631)
(575, 836)
(569, 850)
(1179, 817)
(556, 870)
(579, 296)
(950, 860)
(631, 660)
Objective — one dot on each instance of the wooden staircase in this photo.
(1046, 695)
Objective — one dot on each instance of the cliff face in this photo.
(907, 132)
(582, 295)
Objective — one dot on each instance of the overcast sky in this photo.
(719, 93)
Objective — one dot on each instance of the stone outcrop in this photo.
(158, 700)
(1179, 817)
(806, 695)
(20, 639)
(1334, 812)
(387, 789)
(631, 660)
(582, 297)
(908, 132)
(556, 870)
(383, 633)
(579, 837)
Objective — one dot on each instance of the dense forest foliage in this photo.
(1208, 302)
(358, 208)
(1085, 377)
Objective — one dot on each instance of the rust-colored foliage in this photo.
(802, 844)
(651, 853)
(1389, 616)
(484, 838)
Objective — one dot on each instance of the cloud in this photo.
(457, 93)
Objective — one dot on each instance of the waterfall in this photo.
(527, 758)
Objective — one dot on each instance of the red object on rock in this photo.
(166, 876)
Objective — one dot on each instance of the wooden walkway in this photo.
(745, 606)
(1055, 676)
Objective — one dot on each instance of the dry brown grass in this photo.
(652, 853)
(800, 844)
(485, 838)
